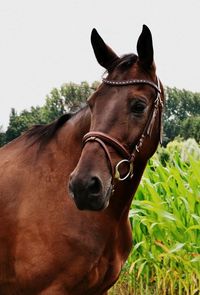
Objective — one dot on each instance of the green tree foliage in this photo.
(68, 98)
(54, 106)
(75, 95)
(2, 136)
(191, 128)
(182, 114)
(19, 123)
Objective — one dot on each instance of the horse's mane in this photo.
(126, 61)
(123, 63)
(44, 133)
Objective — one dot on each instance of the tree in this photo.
(19, 123)
(191, 128)
(54, 106)
(69, 98)
(179, 106)
(75, 95)
(2, 137)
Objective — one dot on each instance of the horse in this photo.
(66, 187)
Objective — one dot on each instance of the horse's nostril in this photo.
(94, 186)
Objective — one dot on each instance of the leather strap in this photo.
(92, 136)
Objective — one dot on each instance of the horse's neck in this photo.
(71, 134)
(81, 122)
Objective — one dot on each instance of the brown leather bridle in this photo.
(103, 139)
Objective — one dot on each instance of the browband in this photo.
(131, 82)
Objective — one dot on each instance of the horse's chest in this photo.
(104, 273)
(99, 271)
(75, 262)
(75, 267)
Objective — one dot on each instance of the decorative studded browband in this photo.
(132, 82)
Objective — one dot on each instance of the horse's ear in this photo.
(104, 54)
(145, 47)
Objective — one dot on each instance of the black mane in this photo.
(127, 61)
(124, 62)
(44, 133)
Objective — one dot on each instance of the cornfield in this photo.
(165, 219)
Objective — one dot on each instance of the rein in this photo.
(104, 139)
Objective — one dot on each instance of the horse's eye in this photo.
(138, 107)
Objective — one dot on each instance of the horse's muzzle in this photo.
(88, 192)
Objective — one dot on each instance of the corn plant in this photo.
(165, 218)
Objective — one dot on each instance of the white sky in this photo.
(45, 43)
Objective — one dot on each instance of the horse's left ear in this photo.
(145, 47)
(104, 54)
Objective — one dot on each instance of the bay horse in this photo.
(66, 188)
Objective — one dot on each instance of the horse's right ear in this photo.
(145, 47)
(104, 54)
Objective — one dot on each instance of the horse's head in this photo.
(125, 122)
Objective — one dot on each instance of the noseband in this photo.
(103, 139)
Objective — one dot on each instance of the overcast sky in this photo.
(45, 43)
